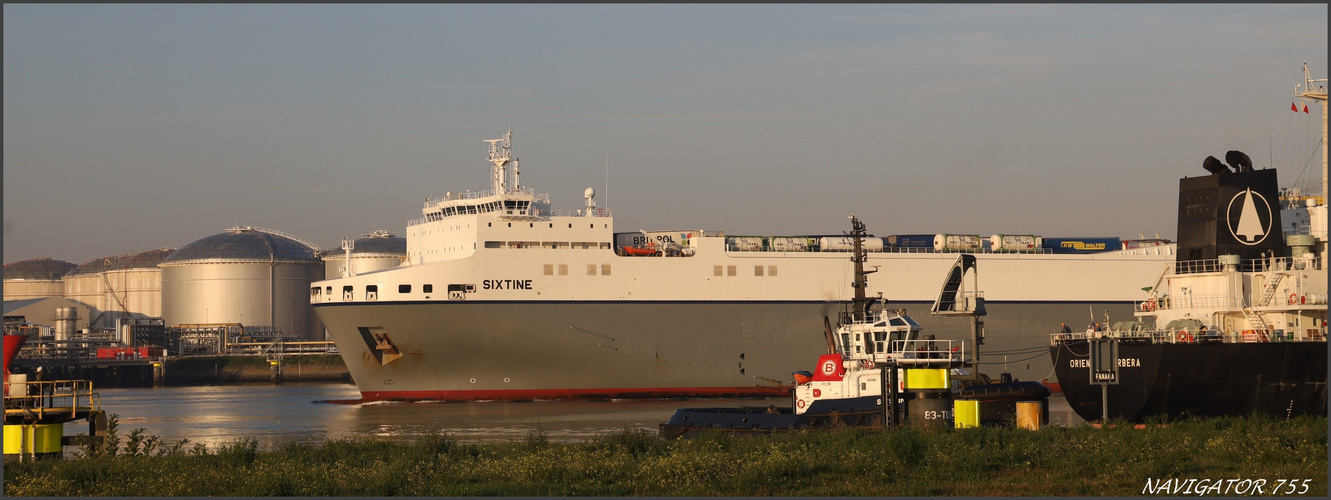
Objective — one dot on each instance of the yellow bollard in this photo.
(1029, 415)
(967, 413)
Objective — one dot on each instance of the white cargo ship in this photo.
(500, 297)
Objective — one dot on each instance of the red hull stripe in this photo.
(602, 393)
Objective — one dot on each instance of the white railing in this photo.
(1247, 266)
(1187, 336)
(596, 212)
(914, 352)
(1190, 301)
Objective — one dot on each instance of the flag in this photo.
(1293, 107)
(1305, 107)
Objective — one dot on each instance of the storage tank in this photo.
(247, 275)
(1014, 243)
(86, 284)
(372, 252)
(957, 242)
(847, 244)
(137, 281)
(66, 321)
(35, 278)
(911, 241)
(1080, 245)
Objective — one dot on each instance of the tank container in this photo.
(1014, 242)
(744, 243)
(845, 244)
(791, 244)
(957, 243)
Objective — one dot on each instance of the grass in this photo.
(1062, 461)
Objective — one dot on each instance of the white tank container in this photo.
(789, 244)
(1014, 242)
(844, 244)
(957, 243)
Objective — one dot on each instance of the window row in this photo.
(592, 269)
(550, 245)
(757, 270)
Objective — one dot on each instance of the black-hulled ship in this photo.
(1236, 325)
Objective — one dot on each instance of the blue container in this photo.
(1081, 245)
(910, 241)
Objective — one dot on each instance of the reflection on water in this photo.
(278, 414)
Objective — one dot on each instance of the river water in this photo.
(273, 415)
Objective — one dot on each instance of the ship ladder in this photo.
(1256, 320)
(1270, 289)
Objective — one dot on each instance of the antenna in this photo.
(607, 178)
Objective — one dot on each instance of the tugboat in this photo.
(1236, 325)
(875, 355)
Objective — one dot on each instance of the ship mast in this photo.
(501, 155)
(1315, 95)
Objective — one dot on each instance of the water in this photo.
(273, 415)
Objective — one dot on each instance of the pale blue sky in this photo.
(133, 127)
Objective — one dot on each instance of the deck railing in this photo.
(1188, 336)
(42, 400)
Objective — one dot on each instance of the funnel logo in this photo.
(1249, 217)
(829, 368)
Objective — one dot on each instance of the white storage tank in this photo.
(252, 276)
(137, 281)
(1014, 243)
(957, 243)
(35, 278)
(86, 284)
(372, 252)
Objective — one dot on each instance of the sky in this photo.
(134, 127)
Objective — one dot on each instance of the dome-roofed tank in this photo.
(372, 252)
(247, 275)
(35, 278)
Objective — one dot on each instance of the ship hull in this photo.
(472, 350)
(1204, 379)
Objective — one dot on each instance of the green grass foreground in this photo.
(864, 462)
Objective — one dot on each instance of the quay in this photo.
(154, 366)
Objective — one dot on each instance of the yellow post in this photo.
(967, 413)
(1029, 415)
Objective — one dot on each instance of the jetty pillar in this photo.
(275, 371)
(159, 373)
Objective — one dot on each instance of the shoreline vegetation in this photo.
(1082, 460)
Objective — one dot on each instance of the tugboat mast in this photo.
(860, 306)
